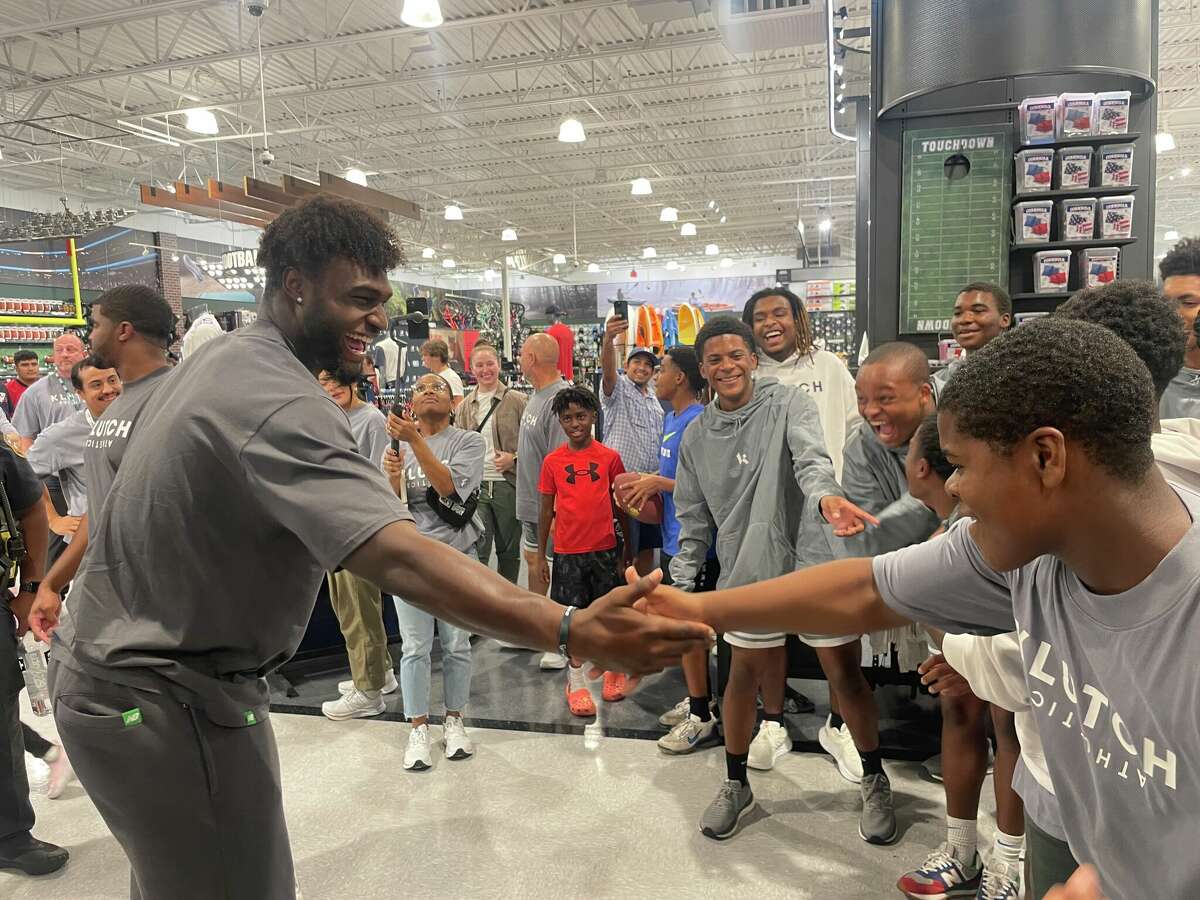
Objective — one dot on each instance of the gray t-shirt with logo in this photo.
(462, 453)
(369, 427)
(540, 433)
(47, 401)
(229, 507)
(1114, 687)
(105, 446)
(59, 451)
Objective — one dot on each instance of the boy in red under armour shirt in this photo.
(577, 499)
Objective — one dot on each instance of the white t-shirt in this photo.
(483, 402)
(456, 385)
(825, 378)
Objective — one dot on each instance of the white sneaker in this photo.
(390, 684)
(839, 744)
(455, 737)
(354, 705)
(677, 713)
(417, 757)
(551, 662)
(771, 742)
(690, 734)
(508, 645)
(61, 772)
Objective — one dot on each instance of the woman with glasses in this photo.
(357, 603)
(435, 460)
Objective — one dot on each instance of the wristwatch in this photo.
(29, 587)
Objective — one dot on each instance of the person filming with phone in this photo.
(438, 468)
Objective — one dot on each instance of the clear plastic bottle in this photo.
(33, 669)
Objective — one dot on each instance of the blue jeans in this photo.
(416, 666)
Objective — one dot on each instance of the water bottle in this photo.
(33, 670)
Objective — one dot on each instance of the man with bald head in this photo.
(540, 433)
(51, 399)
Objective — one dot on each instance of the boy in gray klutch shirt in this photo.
(749, 466)
(1080, 546)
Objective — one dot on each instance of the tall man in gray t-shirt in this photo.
(1080, 546)
(540, 433)
(159, 670)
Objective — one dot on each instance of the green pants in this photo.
(1048, 861)
(498, 510)
(358, 606)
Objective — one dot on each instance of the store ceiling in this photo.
(707, 105)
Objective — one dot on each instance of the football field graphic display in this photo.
(954, 226)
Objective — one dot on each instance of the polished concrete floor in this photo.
(531, 815)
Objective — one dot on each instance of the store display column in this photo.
(952, 83)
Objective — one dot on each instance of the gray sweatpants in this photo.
(197, 807)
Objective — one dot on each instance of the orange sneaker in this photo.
(579, 697)
(614, 687)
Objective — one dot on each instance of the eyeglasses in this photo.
(437, 388)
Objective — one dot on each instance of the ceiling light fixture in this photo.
(453, 213)
(1185, 171)
(201, 121)
(668, 214)
(1171, 235)
(571, 131)
(712, 250)
(726, 263)
(722, 220)
(687, 230)
(427, 253)
(649, 253)
(672, 266)
(593, 268)
(508, 234)
(448, 263)
(712, 204)
(560, 259)
(421, 13)
(825, 225)
(356, 176)
(640, 187)
(1164, 142)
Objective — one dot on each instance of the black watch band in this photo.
(564, 631)
(29, 587)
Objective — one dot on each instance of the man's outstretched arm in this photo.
(452, 585)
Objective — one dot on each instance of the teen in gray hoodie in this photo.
(747, 467)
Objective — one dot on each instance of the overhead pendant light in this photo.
(201, 121)
(571, 131)
(825, 225)
(593, 268)
(489, 274)
(356, 176)
(640, 187)
(712, 204)
(726, 263)
(649, 253)
(508, 234)
(712, 250)
(560, 259)
(668, 214)
(1171, 235)
(448, 263)
(453, 213)
(687, 230)
(421, 13)
(672, 265)
(427, 253)
(722, 220)
(1185, 171)
(1164, 142)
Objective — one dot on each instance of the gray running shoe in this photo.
(877, 825)
(721, 818)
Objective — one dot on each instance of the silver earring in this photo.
(299, 301)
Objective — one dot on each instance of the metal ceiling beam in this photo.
(103, 19)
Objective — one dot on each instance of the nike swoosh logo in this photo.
(667, 437)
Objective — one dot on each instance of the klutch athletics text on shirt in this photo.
(105, 446)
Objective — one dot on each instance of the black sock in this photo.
(836, 721)
(735, 766)
(773, 717)
(700, 708)
(872, 761)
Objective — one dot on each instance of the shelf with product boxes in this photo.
(1073, 196)
(26, 307)
(29, 334)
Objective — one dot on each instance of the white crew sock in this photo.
(961, 835)
(575, 678)
(1007, 849)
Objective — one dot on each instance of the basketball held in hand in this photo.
(650, 513)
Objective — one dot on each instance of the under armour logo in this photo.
(592, 472)
(743, 459)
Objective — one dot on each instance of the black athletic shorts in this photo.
(706, 580)
(580, 578)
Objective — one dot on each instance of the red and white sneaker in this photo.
(942, 876)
